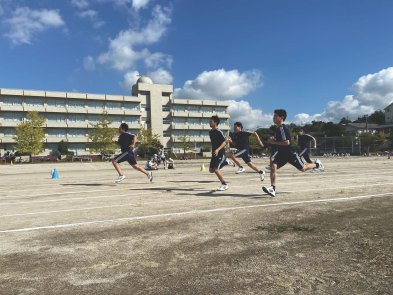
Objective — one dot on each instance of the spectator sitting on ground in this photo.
(151, 165)
(170, 163)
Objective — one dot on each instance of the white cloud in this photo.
(157, 59)
(123, 52)
(371, 92)
(129, 79)
(242, 111)
(24, 23)
(229, 85)
(88, 63)
(161, 76)
(220, 84)
(138, 4)
(81, 4)
(92, 15)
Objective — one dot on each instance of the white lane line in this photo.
(133, 193)
(196, 198)
(108, 206)
(368, 177)
(283, 175)
(203, 211)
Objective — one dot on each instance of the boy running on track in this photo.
(284, 153)
(127, 144)
(303, 140)
(240, 141)
(218, 159)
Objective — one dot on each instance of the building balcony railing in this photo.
(13, 108)
(7, 140)
(192, 139)
(81, 139)
(95, 111)
(56, 109)
(5, 123)
(76, 110)
(132, 112)
(82, 124)
(56, 124)
(54, 139)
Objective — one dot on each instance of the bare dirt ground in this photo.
(324, 233)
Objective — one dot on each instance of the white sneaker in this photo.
(223, 187)
(120, 178)
(240, 170)
(262, 175)
(314, 170)
(269, 190)
(230, 162)
(150, 176)
(321, 167)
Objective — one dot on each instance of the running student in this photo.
(303, 140)
(127, 142)
(218, 159)
(284, 153)
(240, 141)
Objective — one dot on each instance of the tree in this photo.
(101, 136)
(185, 143)
(62, 147)
(255, 147)
(378, 117)
(30, 135)
(368, 140)
(344, 121)
(148, 143)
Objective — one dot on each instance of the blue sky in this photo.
(321, 60)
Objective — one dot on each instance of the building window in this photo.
(10, 101)
(131, 106)
(58, 103)
(13, 117)
(75, 104)
(9, 132)
(166, 108)
(166, 134)
(56, 118)
(34, 102)
(95, 105)
(113, 105)
(166, 94)
(166, 121)
(144, 92)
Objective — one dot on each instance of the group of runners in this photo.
(282, 151)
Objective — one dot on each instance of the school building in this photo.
(69, 114)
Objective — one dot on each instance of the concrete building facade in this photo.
(389, 114)
(69, 114)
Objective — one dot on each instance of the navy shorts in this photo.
(126, 156)
(281, 158)
(244, 155)
(217, 162)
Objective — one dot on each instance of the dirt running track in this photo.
(324, 233)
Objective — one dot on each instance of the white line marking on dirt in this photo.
(133, 193)
(172, 214)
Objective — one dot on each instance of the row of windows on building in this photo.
(194, 121)
(61, 103)
(63, 132)
(55, 132)
(58, 118)
(196, 109)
